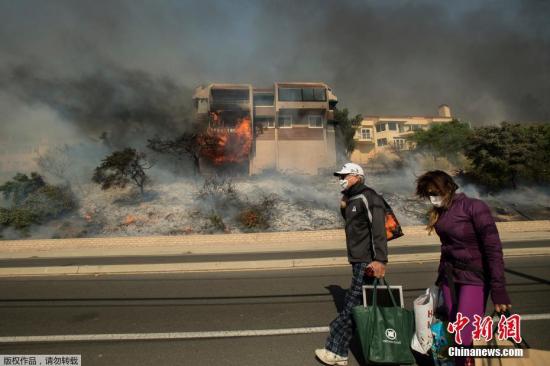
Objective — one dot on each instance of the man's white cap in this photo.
(350, 168)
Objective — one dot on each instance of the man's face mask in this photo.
(343, 184)
(437, 201)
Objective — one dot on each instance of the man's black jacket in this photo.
(358, 238)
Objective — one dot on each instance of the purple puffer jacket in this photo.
(469, 235)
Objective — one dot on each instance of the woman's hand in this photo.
(501, 308)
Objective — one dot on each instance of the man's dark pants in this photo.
(341, 328)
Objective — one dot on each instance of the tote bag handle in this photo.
(382, 281)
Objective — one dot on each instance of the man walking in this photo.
(367, 249)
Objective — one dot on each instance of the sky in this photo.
(69, 67)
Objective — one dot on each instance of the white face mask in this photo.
(343, 184)
(437, 201)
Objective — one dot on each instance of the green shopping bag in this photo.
(385, 333)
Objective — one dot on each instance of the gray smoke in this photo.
(115, 103)
(489, 60)
(72, 70)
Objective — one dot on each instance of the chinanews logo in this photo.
(391, 336)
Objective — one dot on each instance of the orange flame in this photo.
(228, 145)
(129, 219)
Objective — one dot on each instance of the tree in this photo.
(189, 144)
(345, 129)
(503, 156)
(121, 168)
(21, 186)
(443, 139)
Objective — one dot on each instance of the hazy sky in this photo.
(489, 60)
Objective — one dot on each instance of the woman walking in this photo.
(471, 264)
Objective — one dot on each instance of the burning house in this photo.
(284, 128)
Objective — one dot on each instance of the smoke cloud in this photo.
(71, 71)
(489, 60)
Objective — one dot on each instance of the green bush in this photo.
(507, 155)
(33, 202)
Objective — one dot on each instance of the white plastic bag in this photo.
(424, 309)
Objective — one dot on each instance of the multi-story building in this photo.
(289, 123)
(378, 134)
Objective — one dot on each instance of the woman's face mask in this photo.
(437, 201)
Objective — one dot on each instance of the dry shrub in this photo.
(257, 216)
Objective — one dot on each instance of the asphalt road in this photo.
(228, 301)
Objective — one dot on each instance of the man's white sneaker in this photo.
(330, 358)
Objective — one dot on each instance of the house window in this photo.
(302, 94)
(382, 142)
(307, 94)
(399, 144)
(315, 121)
(381, 127)
(401, 129)
(290, 94)
(392, 126)
(265, 122)
(263, 100)
(365, 134)
(319, 94)
(285, 121)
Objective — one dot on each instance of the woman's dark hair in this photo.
(436, 183)
(437, 180)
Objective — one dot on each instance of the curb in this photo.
(236, 243)
(280, 264)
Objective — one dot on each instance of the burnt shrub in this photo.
(257, 216)
(218, 191)
(217, 198)
(216, 223)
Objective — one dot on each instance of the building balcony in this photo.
(301, 105)
(264, 111)
(364, 140)
(230, 105)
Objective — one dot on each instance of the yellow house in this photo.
(382, 134)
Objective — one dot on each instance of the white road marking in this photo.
(153, 336)
(190, 335)
(535, 317)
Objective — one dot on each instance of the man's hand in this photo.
(343, 202)
(376, 269)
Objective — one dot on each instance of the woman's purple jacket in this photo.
(469, 235)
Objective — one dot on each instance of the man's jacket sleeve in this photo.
(378, 227)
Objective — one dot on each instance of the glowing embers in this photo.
(227, 142)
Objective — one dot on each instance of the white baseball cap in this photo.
(350, 168)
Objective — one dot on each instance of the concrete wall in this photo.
(362, 153)
(265, 158)
(305, 156)
(299, 150)
(331, 147)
